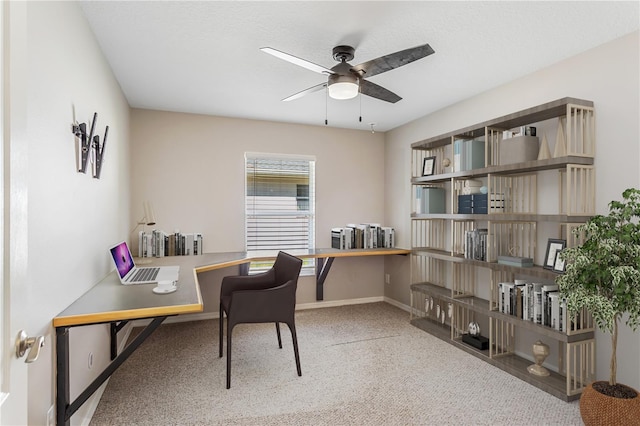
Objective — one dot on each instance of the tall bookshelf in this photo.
(449, 291)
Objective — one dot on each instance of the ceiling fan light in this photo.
(343, 87)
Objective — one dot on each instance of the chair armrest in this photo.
(246, 282)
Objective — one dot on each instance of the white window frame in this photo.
(308, 264)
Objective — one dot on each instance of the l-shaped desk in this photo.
(111, 302)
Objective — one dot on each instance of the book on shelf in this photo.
(388, 237)
(537, 305)
(468, 154)
(546, 306)
(505, 292)
(524, 262)
(475, 244)
(554, 310)
(529, 300)
(372, 235)
(458, 147)
(473, 156)
(337, 236)
(511, 298)
(157, 243)
(363, 236)
(518, 299)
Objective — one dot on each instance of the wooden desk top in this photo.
(111, 301)
(211, 261)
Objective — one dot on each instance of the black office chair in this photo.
(266, 297)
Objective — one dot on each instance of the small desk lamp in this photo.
(149, 218)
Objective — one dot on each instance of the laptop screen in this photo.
(122, 258)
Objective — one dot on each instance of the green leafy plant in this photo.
(603, 273)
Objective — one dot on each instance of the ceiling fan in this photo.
(345, 81)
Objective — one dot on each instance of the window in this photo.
(279, 205)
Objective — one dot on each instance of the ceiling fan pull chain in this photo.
(326, 107)
(360, 93)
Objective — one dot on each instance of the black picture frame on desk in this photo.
(554, 246)
(559, 264)
(429, 166)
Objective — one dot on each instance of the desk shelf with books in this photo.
(475, 218)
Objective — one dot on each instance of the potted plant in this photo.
(603, 276)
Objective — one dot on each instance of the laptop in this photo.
(129, 273)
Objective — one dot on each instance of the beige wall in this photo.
(191, 167)
(609, 76)
(72, 217)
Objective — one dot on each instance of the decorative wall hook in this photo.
(80, 130)
(99, 153)
(90, 147)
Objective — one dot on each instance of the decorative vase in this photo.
(544, 152)
(560, 149)
(602, 410)
(540, 353)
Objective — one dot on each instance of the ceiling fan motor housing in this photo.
(343, 53)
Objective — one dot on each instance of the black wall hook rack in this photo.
(80, 130)
(89, 142)
(99, 153)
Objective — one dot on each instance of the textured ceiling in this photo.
(203, 57)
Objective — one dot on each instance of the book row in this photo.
(475, 244)
(539, 303)
(157, 243)
(468, 154)
(365, 235)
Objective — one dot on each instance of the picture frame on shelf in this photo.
(429, 166)
(554, 246)
(559, 264)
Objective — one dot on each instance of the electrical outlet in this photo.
(387, 278)
(51, 418)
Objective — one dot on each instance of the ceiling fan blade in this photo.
(297, 61)
(306, 91)
(371, 89)
(392, 61)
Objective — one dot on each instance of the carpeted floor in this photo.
(361, 365)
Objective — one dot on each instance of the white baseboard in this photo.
(397, 304)
(299, 307)
(335, 303)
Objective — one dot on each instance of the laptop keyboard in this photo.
(145, 274)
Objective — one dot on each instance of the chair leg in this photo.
(279, 337)
(229, 331)
(221, 332)
(294, 336)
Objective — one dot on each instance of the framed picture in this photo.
(553, 247)
(429, 166)
(558, 265)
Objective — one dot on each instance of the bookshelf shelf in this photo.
(455, 276)
(555, 383)
(559, 218)
(528, 166)
(481, 306)
(535, 271)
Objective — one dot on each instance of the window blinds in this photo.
(280, 203)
